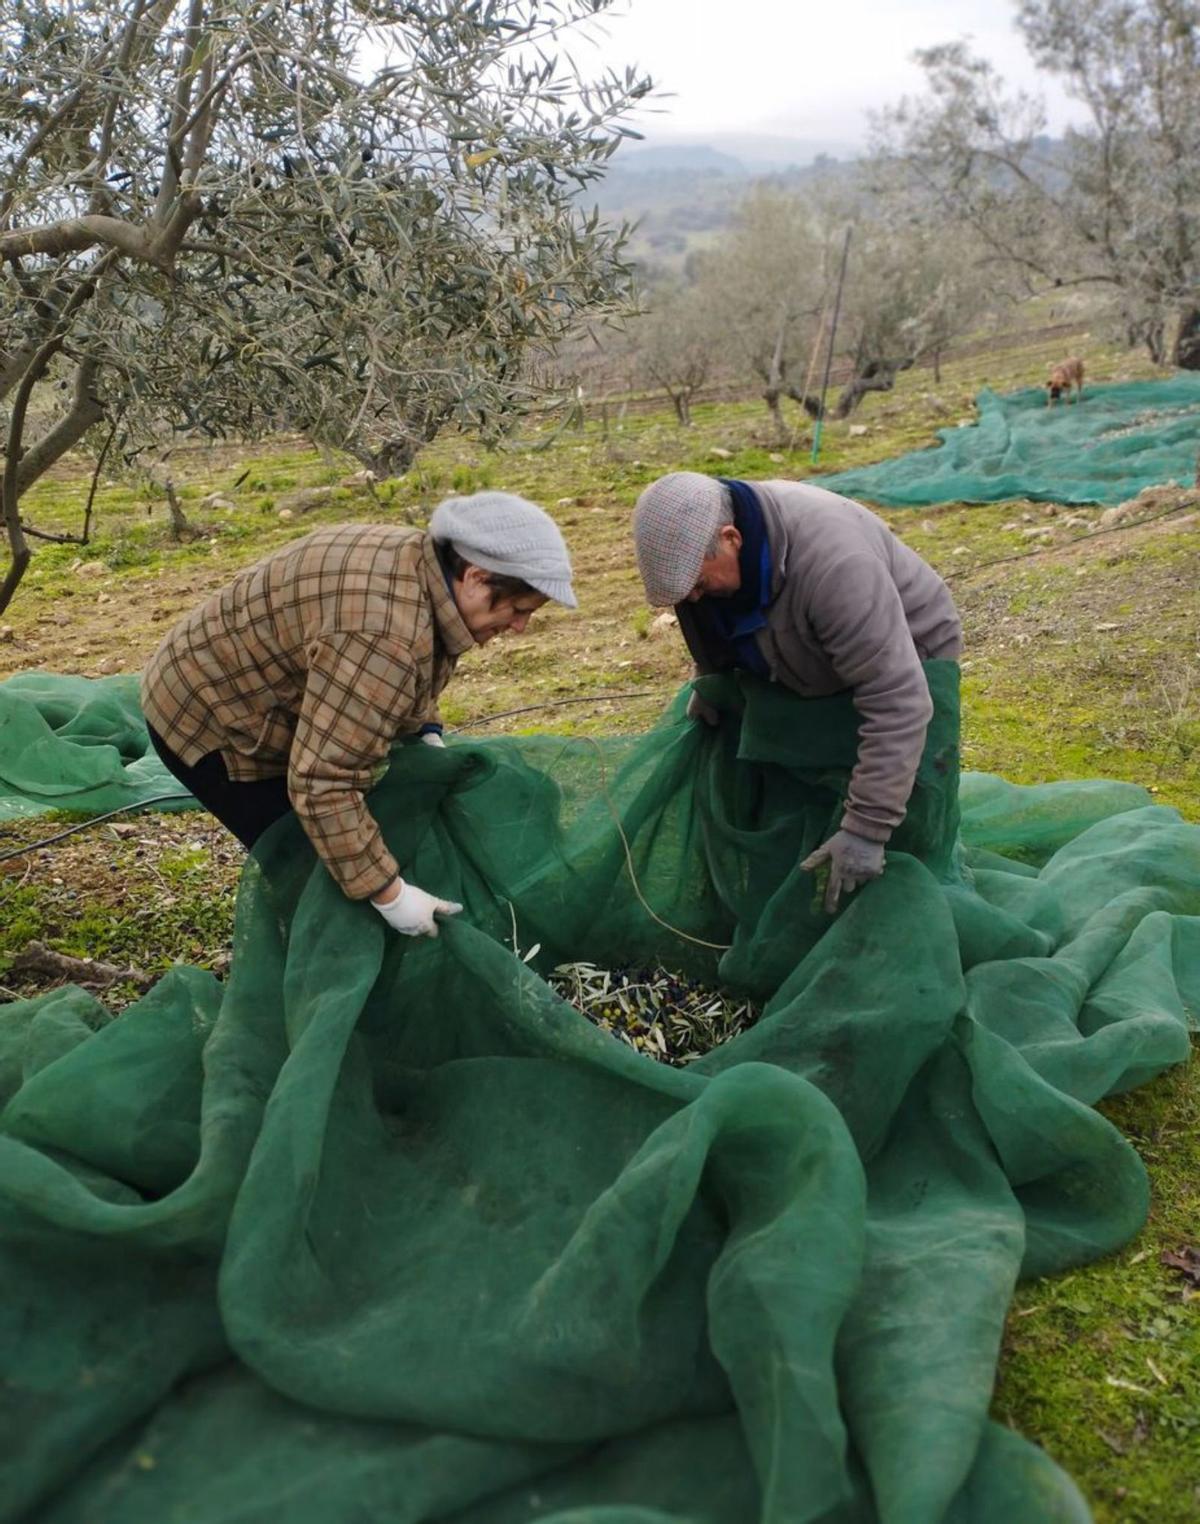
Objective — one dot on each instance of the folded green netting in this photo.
(75, 743)
(383, 1230)
(1104, 449)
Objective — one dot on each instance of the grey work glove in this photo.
(412, 911)
(701, 709)
(852, 860)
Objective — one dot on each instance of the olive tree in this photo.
(765, 294)
(345, 217)
(762, 285)
(675, 346)
(1116, 204)
(910, 290)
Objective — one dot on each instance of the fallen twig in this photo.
(39, 960)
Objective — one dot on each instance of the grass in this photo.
(1102, 1365)
(1082, 660)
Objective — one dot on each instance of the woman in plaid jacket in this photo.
(286, 689)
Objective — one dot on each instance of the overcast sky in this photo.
(800, 69)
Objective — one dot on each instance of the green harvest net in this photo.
(76, 743)
(383, 1230)
(1104, 449)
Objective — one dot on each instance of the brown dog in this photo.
(1063, 376)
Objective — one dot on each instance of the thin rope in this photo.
(637, 888)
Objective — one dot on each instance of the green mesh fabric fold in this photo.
(76, 743)
(1121, 438)
(382, 1229)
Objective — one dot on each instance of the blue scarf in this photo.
(733, 622)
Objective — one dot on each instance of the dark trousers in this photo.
(246, 809)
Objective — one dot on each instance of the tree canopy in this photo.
(342, 217)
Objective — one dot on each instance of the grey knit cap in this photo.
(508, 534)
(673, 525)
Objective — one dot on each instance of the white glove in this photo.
(852, 860)
(412, 911)
(432, 738)
(701, 709)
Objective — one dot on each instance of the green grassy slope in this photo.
(1083, 659)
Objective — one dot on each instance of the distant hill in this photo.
(746, 153)
(683, 194)
(668, 158)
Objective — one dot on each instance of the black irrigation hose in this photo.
(83, 825)
(591, 698)
(1045, 550)
(603, 698)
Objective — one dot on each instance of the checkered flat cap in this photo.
(673, 525)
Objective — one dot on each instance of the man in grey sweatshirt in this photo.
(811, 590)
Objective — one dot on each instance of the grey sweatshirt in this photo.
(852, 607)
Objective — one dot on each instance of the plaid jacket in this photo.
(309, 664)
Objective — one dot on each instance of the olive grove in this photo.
(1115, 205)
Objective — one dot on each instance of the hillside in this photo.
(1083, 659)
(682, 196)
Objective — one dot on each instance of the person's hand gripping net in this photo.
(411, 911)
(701, 709)
(851, 859)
